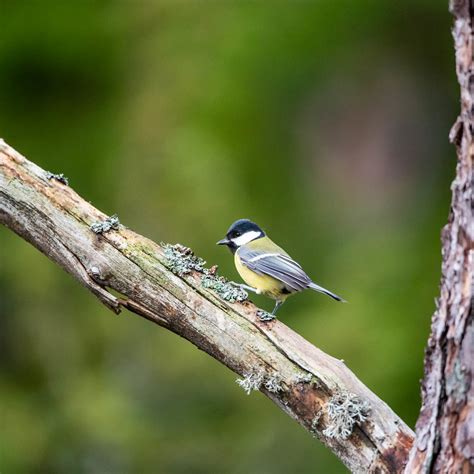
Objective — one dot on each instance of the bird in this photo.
(265, 267)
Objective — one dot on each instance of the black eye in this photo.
(237, 233)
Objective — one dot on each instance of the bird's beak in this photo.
(223, 242)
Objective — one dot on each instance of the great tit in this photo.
(264, 266)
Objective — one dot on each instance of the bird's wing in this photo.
(277, 265)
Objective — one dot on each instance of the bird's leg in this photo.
(277, 305)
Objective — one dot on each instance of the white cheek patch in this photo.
(246, 238)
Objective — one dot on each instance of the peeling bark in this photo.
(312, 387)
(445, 428)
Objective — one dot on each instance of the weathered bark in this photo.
(315, 389)
(445, 428)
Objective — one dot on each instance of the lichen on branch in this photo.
(108, 224)
(344, 411)
(182, 261)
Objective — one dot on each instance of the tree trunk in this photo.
(445, 428)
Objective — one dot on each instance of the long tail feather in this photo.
(315, 287)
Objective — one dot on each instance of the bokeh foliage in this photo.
(326, 122)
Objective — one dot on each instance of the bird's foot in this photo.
(264, 316)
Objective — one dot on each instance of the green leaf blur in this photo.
(326, 122)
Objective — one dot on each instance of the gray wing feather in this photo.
(279, 266)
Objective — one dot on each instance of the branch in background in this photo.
(315, 389)
(444, 430)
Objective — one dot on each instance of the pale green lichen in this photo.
(273, 384)
(111, 223)
(251, 382)
(182, 261)
(304, 377)
(265, 316)
(58, 177)
(256, 380)
(226, 289)
(344, 411)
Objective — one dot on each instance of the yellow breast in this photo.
(265, 284)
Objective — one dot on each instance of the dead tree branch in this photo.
(445, 427)
(315, 389)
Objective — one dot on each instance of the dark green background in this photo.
(324, 121)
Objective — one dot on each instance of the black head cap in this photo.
(241, 227)
(238, 229)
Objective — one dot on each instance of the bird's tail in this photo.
(315, 287)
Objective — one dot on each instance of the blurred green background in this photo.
(326, 122)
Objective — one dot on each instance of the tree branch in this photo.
(315, 389)
(444, 430)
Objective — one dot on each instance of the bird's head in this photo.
(241, 232)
